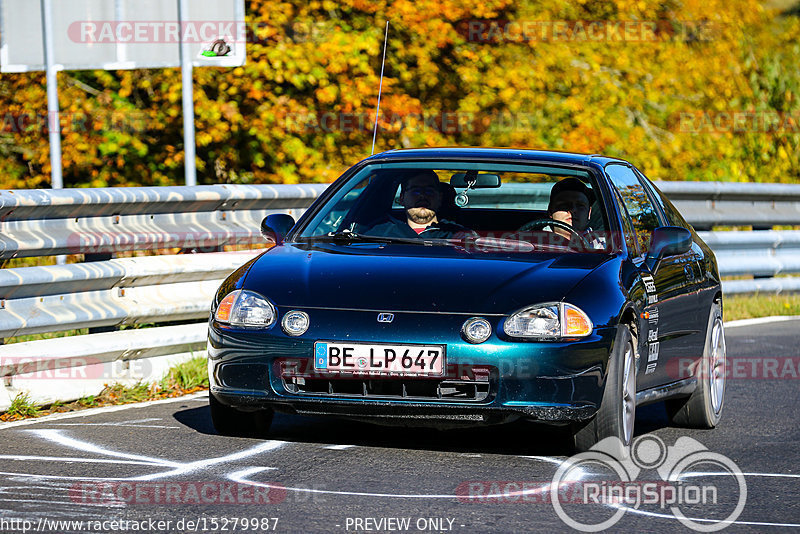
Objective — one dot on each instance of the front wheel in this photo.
(617, 411)
(703, 409)
(229, 421)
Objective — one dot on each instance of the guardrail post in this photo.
(761, 228)
(88, 258)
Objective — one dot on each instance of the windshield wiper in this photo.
(346, 237)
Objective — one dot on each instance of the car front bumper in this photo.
(493, 382)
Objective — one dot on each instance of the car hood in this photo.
(389, 277)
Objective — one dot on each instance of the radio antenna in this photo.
(380, 88)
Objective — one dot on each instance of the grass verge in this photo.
(22, 408)
(761, 305)
(188, 377)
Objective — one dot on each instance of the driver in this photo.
(421, 196)
(571, 203)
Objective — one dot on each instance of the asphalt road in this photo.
(126, 470)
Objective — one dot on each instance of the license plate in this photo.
(381, 359)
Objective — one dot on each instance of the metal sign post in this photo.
(53, 118)
(187, 90)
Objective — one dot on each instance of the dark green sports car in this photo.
(474, 286)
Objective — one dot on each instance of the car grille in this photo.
(460, 384)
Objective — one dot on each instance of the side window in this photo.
(674, 218)
(627, 227)
(640, 208)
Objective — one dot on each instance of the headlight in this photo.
(245, 308)
(556, 320)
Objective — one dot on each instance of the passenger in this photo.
(421, 196)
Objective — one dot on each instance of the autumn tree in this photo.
(658, 83)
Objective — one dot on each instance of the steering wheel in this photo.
(527, 227)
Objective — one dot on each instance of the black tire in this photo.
(703, 409)
(229, 421)
(617, 411)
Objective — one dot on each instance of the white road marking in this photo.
(703, 520)
(134, 421)
(177, 468)
(548, 459)
(339, 447)
(761, 320)
(101, 505)
(69, 459)
(241, 478)
(267, 446)
(724, 473)
(115, 424)
(56, 436)
(61, 477)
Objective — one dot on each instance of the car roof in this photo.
(520, 154)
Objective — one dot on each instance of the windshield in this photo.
(519, 208)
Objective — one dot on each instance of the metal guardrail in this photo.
(124, 291)
(760, 253)
(112, 293)
(75, 221)
(709, 204)
(168, 288)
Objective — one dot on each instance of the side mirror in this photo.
(667, 241)
(275, 227)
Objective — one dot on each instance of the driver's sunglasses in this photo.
(570, 206)
(425, 190)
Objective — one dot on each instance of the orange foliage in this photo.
(653, 83)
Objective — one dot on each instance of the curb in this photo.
(103, 409)
(761, 320)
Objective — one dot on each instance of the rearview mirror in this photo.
(482, 181)
(275, 227)
(667, 241)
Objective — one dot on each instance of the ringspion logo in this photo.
(690, 478)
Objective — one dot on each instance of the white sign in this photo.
(122, 34)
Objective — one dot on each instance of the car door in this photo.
(695, 319)
(666, 300)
